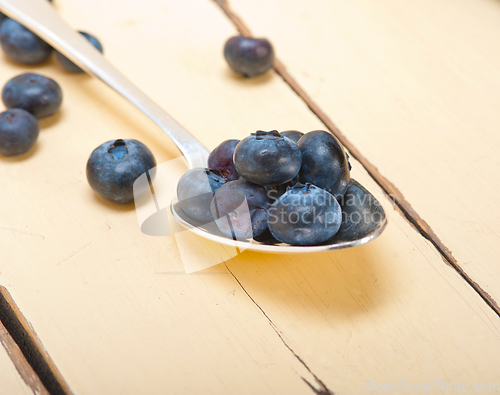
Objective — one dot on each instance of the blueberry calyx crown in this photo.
(118, 149)
(348, 162)
(299, 187)
(216, 172)
(271, 135)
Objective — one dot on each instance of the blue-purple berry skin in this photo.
(248, 56)
(293, 135)
(221, 158)
(21, 45)
(68, 64)
(245, 221)
(305, 215)
(324, 162)
(18, 132)
(267, 158)
(114, 166)
(195, 191)
(37, 94)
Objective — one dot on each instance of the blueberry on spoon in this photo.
(267, 158)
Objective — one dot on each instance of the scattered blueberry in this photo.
(324, 162)
(293, 135)
(39, 95)
(18, 132)
(21, 45)
(267, 158)
(305, 215)
(249, 56)
(195, 192)
(114, 166)
(221, 158)
(68, 64)
(235, 219)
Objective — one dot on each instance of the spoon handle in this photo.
(40, 17)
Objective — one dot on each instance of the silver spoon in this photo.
(364, 218)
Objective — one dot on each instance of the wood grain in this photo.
(413, 87)
(113, 307)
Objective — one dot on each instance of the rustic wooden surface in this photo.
(415, 87)
(113, 307)
(16, 375)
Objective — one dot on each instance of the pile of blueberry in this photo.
(28, 97)
(286, 183)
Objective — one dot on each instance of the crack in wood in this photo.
(393, 193)
(323, 390)
(20, 363)
(30, 346)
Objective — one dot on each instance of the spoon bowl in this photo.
(363, 219)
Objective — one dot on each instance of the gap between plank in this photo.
(400, 202)
(28, 343)
(20, 363)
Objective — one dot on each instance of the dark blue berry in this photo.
(18, 132)
(275, 191)
(324, 162)
(114, 166)
(305, 215)
(221, 158)
(249, 56)
(21, 45)
(195, 192)
(293, 135)
(39, 95)
(236, 219)
(68, 64)
(267, 158)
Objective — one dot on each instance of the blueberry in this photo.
(114, 166)
(305, 215)
(18, 132)
(68, 64)
(2, 16)
(324, 162)
(21, 45)
(235, 219)
(293, 135)
(275, 191)
(249, 56)
(221, 158)
(267, 158)
(195, 191)
(39, 95)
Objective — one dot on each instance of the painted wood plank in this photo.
(113, 307)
